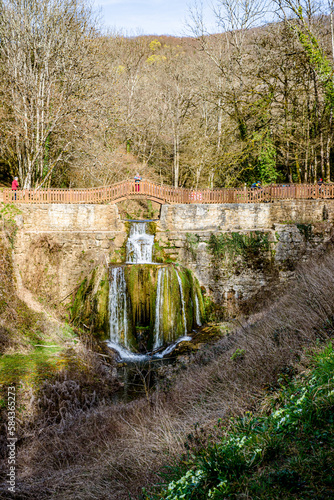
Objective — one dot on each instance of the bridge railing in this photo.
(168, 194)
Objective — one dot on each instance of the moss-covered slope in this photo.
(177, 311)
(89, 308)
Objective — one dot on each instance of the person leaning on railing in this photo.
(137, 182)
(320, 184)
(15, 185)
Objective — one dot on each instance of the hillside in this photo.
(114, 450)
(251, 102)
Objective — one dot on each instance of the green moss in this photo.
(198, 291)
(32, 368)
(151, 227)
(141, 282)
(172, 319)
(158, 253)
(212, 311)
(8, 213)
(191, 244)
(305, 230)
(101, 306)
(89, 308)
(253, 248)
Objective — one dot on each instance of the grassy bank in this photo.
(284, 451)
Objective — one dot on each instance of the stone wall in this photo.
(296, 231)
(56, 246)
(243, 216)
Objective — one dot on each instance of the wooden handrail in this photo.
(168, 194)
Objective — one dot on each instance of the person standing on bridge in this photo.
(15, 185)
(137, 182)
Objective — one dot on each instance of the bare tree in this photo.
(44, 47)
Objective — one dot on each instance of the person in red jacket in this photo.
(137, 182)
(15, 185)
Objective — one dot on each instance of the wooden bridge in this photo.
(166, 194)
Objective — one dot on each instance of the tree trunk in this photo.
(176, 159)
(322, 160)
(287, 163)
(328, 148)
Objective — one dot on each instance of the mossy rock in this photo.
(90, 306)
(90, 303)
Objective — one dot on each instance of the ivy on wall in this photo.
(248, 246)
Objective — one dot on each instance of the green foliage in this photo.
(267, 158)
(286, 454)
(8, 213)
(191, 244)
(305, 230)
(238, 354)
(316, 57)
(249, 246)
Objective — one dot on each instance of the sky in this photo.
(147, 17)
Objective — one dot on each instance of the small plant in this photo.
(238, 354)
(305, 230)
(251, 247)
(191, 244)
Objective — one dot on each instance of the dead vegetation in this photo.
(109, 452)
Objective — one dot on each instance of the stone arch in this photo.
(134, 196)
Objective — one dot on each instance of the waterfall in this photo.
(145, 300)
(159, 302)
(139, 246)
(118, 314)
(197, 311)
(182, 302)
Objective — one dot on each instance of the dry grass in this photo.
(110, 451)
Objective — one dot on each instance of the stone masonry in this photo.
(296, 230)
(56, 246)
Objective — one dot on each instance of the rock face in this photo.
(236, 251)
(257, 245)
(151, 313)
(56, 246)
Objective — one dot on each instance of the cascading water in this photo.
(182, 302)
(158, 342)
(197, 311)
(150, 305)
(118, 313)
(139, 245)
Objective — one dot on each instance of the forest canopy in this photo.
(252, 101)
